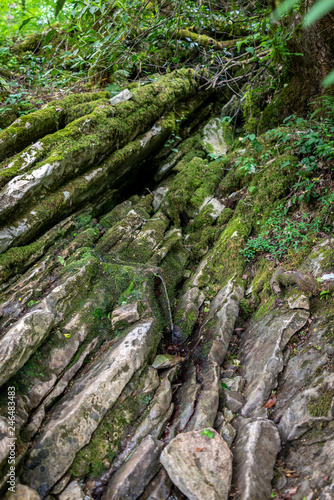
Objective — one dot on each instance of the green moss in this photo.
(251, 108)
(226, 260)
(288, 101)
(322, 405)
(196, 180)
(265, 306)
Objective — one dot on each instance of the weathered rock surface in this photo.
(74, 421)
(263, 344)
(256, 447)
(130, 480)
(72, 492)
(200, 466)
(23, 492)
(213, 137)
(100, 385)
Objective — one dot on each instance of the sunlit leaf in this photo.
(26, 21)
(284, 8)
(318, 10)
(208, 433)
(329, 80)
(59, 5)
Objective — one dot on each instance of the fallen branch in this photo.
(204, 40)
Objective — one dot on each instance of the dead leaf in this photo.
(310, 320)
(244, 276)
(198, 450)
(270, 403)
(293, 491)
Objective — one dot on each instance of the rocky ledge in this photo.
(144, 357)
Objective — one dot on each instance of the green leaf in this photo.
(26, 21)
(329, 80)
(319, 9)
(67, 335)
(208, 433)
(59, 5)
(283, 9)
(31, 303)
(224, 386)
(61, 260)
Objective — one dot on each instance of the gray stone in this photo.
(313, 405)
(327, 277)
(159, 196)
(228, 415)
(156, 416)
(298, 301)
(234, 384)
(125, 95)
(163, 361)
(228, 433)
(125, 315)
(313, 462)
(208, 399)
(75, 419)
(188, 309)
(159, 488)
(254, 454)
(185, 400)
(219, 421)
(5, 440)
(130, 480)
(23, 492)
(216, 207)
(213, 137)
(200, 466)
(263, 343)
(24, 338)
(223, 313)
(233, 400)
(72, 492)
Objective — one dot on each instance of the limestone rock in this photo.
(159, 196)
(298, 301)
(200, 466)
(188, 310)
(234, 383)
(185, 400)
(125, 95)
(125, 315)
(5, 440)
(313, 405)
(263, 343)
(159, 488)
(223, 313)
(213, 137)
(20, 341)
(130, 480)
(72, 492)
(233, 400)
(228, 433)
(163, 361)
(76, 418)
(208, 399)
(255, 451)
(23, 492)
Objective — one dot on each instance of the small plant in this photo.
(279, 233)
(208, 433)
(61, 260)
(247, 164)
